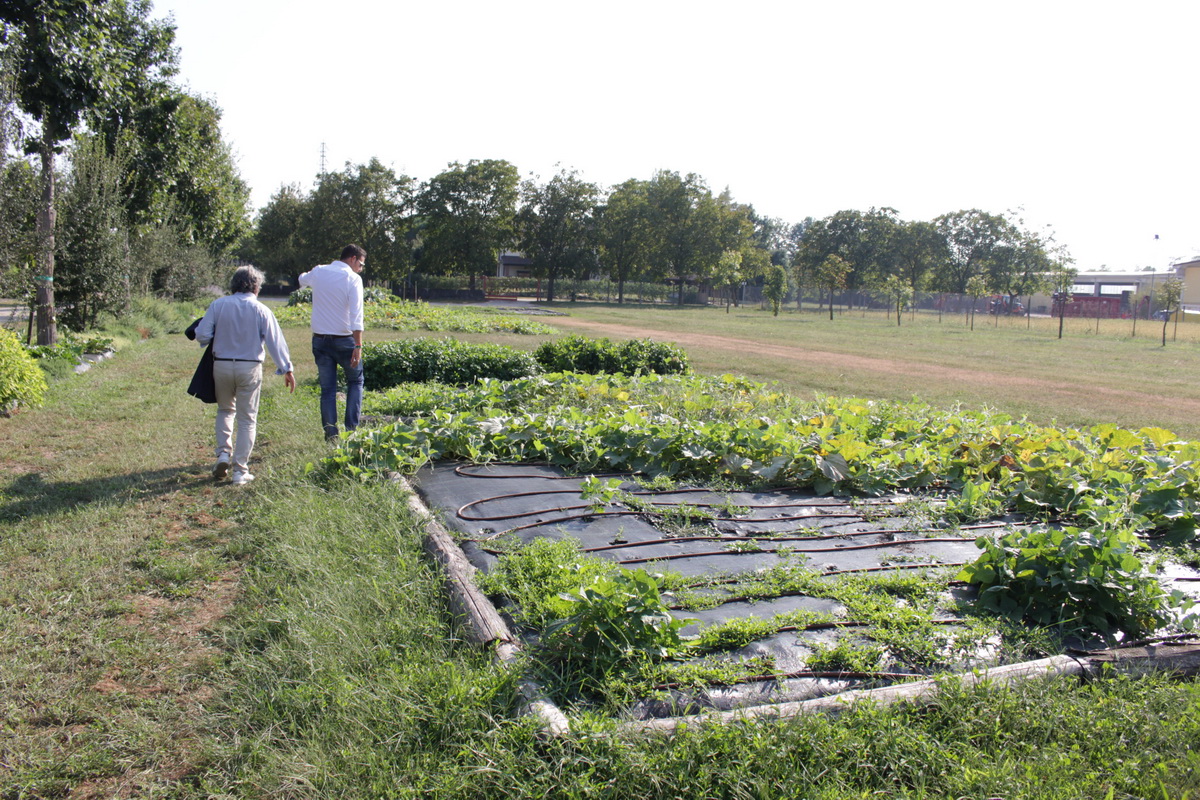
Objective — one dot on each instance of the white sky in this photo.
(1083, 114)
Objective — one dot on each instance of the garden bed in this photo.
(801, 595)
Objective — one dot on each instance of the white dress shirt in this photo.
(337, 305)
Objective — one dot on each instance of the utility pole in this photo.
(321, 171)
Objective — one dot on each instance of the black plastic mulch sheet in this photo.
(832, 535)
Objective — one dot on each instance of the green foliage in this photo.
(615, 622)
(775, 287)
(577, 353)
(557, 227)
(21, 382)
(468, 214)
(302, 296)
(1072, 578)
(404, 315)
(534, 578)
(444, 361)
(92, 236)
(71, 347)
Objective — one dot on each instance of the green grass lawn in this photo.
(161, 636)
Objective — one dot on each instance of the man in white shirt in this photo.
(337, 326)
(239, 326)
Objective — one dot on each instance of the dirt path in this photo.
(882, 366)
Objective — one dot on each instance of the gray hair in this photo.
(246, 279)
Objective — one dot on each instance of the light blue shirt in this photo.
(239, 326)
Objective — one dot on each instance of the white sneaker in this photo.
(241, 478)
(221, 468)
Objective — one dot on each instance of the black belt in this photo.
(331, 335)
(249, 360)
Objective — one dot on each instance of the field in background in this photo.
(1019, 367)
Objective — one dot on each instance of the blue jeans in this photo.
(330, 354)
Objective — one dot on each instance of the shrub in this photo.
(444, 361)
(1071, 578)
(377, 294)
(595, 356)
(617, 622)
(22, 383)
(302, 296)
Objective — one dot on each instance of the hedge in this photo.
(448, 361)
(577, 353)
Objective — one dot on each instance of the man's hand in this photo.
(355, 356)
(289, 380)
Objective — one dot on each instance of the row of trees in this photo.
(147, 199)
(968, 252)
(669, 228)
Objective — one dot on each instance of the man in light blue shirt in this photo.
(239, 327)
(337, 327)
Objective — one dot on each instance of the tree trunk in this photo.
(47, 331)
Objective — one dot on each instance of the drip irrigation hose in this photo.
(751, 537)
(462, 510)
(771, 550)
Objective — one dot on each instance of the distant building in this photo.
(513, 265)
(1127, 290)
(1189, 273)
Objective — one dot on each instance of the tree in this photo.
(728, 274)
(1169, 295)
(70, 57)
(1021, 262)
(970, 238)
(794, 237)
(18, 225)
(977, 287)
(775, 287)
(623, 232)
(18, 196)
(467, 213)
(898, 291)
(365, 204)
(180, 168)
(1062, 281)
(557, 227)
(917, 249)
(689, 228)
(832, 273)
(862, 240)
(278, 247)
(93, 242)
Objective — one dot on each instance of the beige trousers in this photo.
(239, 384)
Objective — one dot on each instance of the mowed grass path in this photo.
(161, 636)
(1014, 367)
